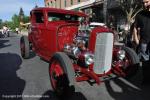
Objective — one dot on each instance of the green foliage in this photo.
(36, 6)
(15, 23)
(1, 23)
(21, 15)
(26, 19)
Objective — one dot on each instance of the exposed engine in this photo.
(80, 42)
(79, 47)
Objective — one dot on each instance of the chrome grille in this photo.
(103, 53)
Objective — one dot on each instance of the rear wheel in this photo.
(61, 72)
(24, 47)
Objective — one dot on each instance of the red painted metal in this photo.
(92, 39)
(91, 74)
(82, 78)
(119, 66)
(55, 71)
(45, 37)
(47, 9)
(117, 69)
(68, 31)
(48, 38)
(86, 74)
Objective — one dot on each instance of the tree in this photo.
(26, 19)
(10, 25)
(36, 6)
(15, 21)
(131, 8)
(1, 23)
(23, 19)
(21, 15)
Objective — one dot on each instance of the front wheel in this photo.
(62, 75)
(128, 66)
(131, 62)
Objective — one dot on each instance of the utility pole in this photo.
(60, 3)
(105, 11)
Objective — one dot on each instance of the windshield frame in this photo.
(54, 16)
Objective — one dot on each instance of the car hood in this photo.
(56, 24)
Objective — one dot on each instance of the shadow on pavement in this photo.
(32, 54)
(2, 43)
(11, 86)
(128, 90)
(50, 95)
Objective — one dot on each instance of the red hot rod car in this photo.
(74, 51)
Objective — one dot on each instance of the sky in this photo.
(10, 7)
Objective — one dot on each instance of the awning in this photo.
(80, 5)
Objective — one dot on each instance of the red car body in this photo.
(44, 35)
(56, 33)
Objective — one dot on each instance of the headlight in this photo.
(89, 58)
(121, 55)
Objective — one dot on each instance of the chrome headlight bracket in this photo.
(121, 54)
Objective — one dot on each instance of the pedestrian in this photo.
(142, 38)
(5, 31)
(132, 43)
(17, 30)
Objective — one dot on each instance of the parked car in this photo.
(73, 54)
(96, 24)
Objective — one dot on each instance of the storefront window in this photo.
(51, 4)
(65, 3)
(55, 4)
(71, 2)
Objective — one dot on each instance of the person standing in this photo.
(17, 30)
(142, 38)
(5, 31)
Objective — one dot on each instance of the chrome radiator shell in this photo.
(103, 53)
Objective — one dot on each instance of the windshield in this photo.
(61, 16)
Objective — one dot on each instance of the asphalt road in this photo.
(28, 79)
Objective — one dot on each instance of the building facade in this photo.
(64, 4)
(87, 6)
(105, 11)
